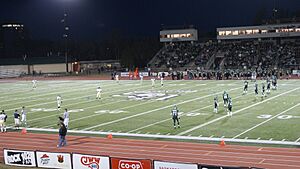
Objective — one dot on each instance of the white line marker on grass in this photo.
(238, 111)
(298, 140)
(154, 110)
(266, 121)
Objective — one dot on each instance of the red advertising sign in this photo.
(119, 163)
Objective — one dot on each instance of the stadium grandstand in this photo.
(236, 49)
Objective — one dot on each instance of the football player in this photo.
(229, 112)
(153, 82)
(99, 91)
(34, 84)
(256, 89)
(225, 98)
(263, 90)
(59, 102)
(216, 104)
(23, 116)
(175, 116)
(268, 86)
(245, 87)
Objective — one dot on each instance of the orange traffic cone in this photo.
(222, 143)
(109, 136)
(24, 131)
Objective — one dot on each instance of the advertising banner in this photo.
(145, 74)
(19, 158)
(220, 167)
(53, 160)
(81, 161)
(119, 163)
(124, 74)
(167, 165)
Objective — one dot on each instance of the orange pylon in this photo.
(222, 143)
(24, 131)
(109, 136)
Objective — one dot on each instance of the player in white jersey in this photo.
(117, 78)
(34, 84)
(99, 91)
(59, 102)
(162, 81)
(23, 116)
(153, 82)
(3, 117)
(142, 78)
(66, 118)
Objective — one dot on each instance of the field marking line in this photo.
(54, 101)
(93, 115)
(85, 117)
(149, 125)
(154, 110)
(238, 135)
(93, 107)
(57, 92)
(245, 108)
(215, 139)
(170, 118)
(77, 102)
(298, 140)
(53, 92)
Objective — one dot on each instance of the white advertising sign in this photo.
(167, 165)
(81, 161)
(124, 74)
(53, 160)
(19, 158)
(145, 74)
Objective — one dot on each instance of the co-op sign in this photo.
(117, 163)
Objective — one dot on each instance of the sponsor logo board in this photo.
(118, 163)
(81, 161)
(53, 160)
(171, 165)
(19, 158)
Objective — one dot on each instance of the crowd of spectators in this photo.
(236, 57)
(176, 55)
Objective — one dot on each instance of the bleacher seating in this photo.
(237, 55)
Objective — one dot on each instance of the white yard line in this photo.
(238, 111)
(70, 87)
(154, 110)
(173, 137)
(266, 121)
(85, 117)
(298, 140)
(45, 103)
(168, 119)
(29, 99)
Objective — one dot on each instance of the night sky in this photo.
(94, 19)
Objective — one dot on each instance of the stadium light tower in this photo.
(65, 36)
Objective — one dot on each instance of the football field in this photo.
(132, 107)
